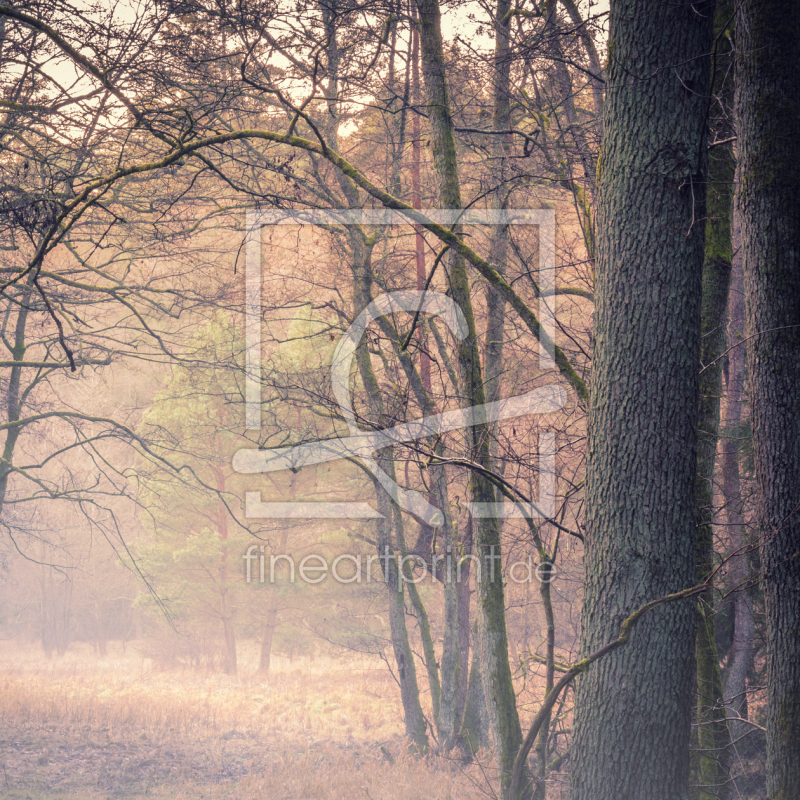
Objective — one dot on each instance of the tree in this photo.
(86, 304)
(633, 710)
(295, 399)
(768, 129)
(192, 558)
(742, 646)
(711, 739)
(245, 104)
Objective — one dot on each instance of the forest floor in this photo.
(114, 727)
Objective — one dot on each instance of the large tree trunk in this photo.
(633, 708)
(768, 110)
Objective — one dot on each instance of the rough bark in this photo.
(633, 710)
(572, 671)
(768, 128)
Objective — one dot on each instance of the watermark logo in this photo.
(347, 568)
(363, 445)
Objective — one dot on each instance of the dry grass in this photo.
(113, 728)
(316, 699)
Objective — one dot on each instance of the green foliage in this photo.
(192, 555)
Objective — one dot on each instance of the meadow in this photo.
(117, 727)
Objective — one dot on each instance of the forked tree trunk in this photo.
(414, 719)
(768, 112)
(633, 709)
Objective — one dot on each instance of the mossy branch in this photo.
(444, 234)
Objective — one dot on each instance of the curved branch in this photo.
(580, 667)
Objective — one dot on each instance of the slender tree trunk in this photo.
(576, 130)
(447, 717)
(495, 302)
(740, 656)
(475, 727)
(768, 128)
(633, 708)
(449, 722)
(415, 724)
(271, 619)
(492, 637)
(226, 612)
(416, 198)
(597, 71)
(445, 679)
(414, 719)
(464, 627)
(428, 649)
(404, 658)
(540, 792)
(711, 738)
(13, 391)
